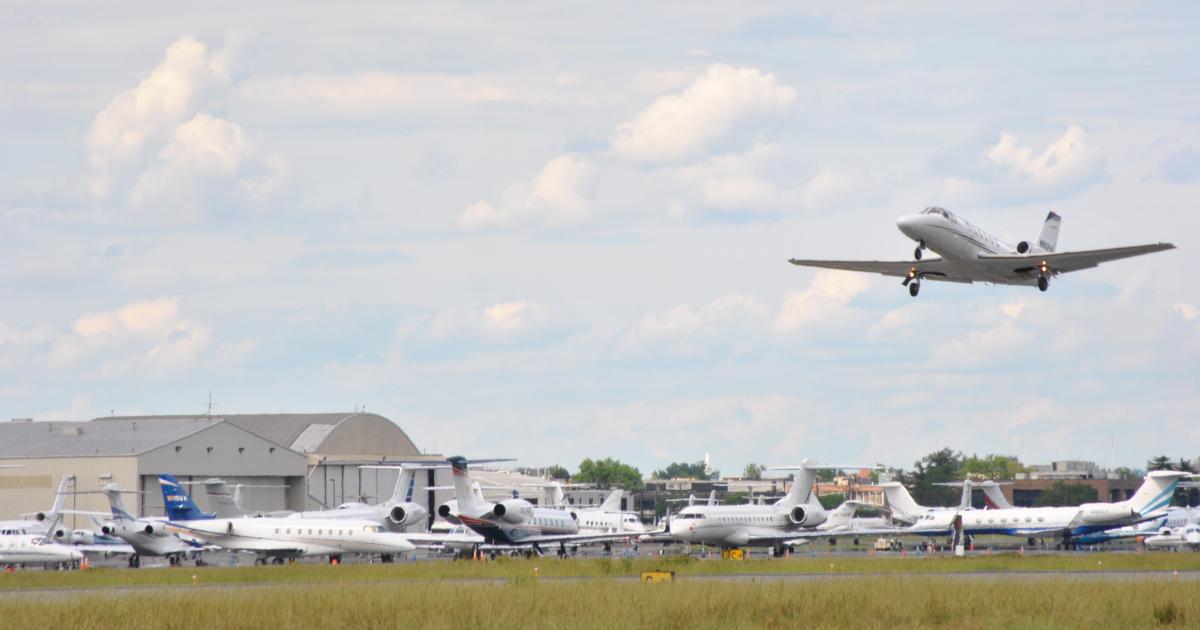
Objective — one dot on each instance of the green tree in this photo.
(937, 467)
(1066, 494)
(998, 467)
(684, 470)
(1124, 472)
(607, 473)
(831, 501)
(1162, 462)
(558, 472)
(753, 471)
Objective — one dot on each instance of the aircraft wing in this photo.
(576, 538)
(803, 536)
(930, 268)
(1063, 262)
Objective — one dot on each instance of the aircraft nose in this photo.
(909, 223)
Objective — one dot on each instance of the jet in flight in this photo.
(969, 254)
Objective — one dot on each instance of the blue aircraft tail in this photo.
(178, 502)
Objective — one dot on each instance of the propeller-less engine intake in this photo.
(406, 514)
(513, 510)
(154, 529)
(75, 537)
(797, 515)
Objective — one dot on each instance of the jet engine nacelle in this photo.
(75, 537)
(513, 510)
(449, 511)
(154, 529)
(1104, 513)
(404, 514)
(804, 516)
(1025, 247)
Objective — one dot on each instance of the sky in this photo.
(551, 232)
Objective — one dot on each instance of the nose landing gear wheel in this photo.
(917, 251)
(914, 288)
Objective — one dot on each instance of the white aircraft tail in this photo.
(405, 481)
(60, 499)
(1048, 239)
(612, 503)
(901, 503)
(802, 491)
(993, 497)
(468, 501)
(223, 501)
(842, 514)
(1156, 491)
(116, 502)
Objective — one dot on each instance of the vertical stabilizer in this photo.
(612, 503)
(468, 502)
(1156, 491)
(405, 481)
(900, 502)
(802, 489)
(178, 502)
(223, 501)
(1048, 239)
(116, 502)
(60, 499)
(993, 497)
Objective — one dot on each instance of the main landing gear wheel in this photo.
(1043, 283)
(278, 560)
(135, 561)
(915, 287)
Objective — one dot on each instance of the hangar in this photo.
(286, 461)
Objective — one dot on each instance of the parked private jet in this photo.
(969, 254)
(278, 539)
(515, 523)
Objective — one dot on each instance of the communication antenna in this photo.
(209, 413)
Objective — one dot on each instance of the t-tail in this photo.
(612, 503)
(1048, 239)
(900, 502)
(405, 482)
(468, 502)
(1155, 492)
(116, 502)
(178, 502)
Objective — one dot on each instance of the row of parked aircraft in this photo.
(517, 525)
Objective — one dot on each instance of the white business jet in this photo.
(515, 523)
(968, 254)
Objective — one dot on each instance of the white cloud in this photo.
(1186, 311)
(502, 324)
(143, 116)
(151, 333)
(731, 181)
(1012, 172)
(157, 143)
(559, 195)
(827, 296)
(683, 125)
(731, 322)
(204, 157)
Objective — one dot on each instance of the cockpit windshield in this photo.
(936, 210)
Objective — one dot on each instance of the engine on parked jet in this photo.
(75, 537)
(797, 515)
(406, 514)
(154, 529)
(1104, 513)
(513, 510)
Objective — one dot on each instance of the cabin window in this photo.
(289, 530)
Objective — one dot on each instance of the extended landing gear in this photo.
(1043, 283)
(386, 558)
(135, 561)
(918, 250)
(562, 551)
(912, 280)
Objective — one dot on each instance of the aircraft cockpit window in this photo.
(939, 211)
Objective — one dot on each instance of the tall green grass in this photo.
(507, 568)
(867, 602)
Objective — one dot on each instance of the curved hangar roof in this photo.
(324, 433)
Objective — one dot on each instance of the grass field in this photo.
(873, 602)
(506, 568)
